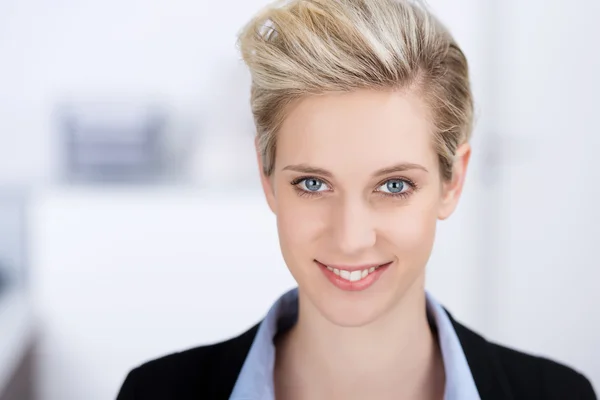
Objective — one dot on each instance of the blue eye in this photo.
(312, 184)
(394, 186)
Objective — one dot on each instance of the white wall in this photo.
(546, 113)
(123, 277)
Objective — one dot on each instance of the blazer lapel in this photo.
(487, 371)
(229, 359)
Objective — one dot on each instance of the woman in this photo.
(363, 113)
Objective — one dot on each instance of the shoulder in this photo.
(532, 375)
(203, 372)
(519, 375)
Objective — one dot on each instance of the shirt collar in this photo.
(255, 381)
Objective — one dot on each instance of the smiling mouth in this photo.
(353, 275)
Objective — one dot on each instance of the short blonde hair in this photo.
(310, 47)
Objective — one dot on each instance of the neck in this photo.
(396, 356)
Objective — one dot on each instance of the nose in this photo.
(353, 227)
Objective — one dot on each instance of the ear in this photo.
(265, 181)
(451, 190)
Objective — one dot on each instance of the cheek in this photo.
(411, 231)
(299, 222)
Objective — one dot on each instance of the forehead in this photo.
(362, 130)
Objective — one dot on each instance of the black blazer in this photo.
(210, 372)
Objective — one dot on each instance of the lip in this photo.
(362, 284)
(350, 267)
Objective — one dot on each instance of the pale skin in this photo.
(348, 209)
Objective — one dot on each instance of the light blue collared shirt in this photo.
(255, 381)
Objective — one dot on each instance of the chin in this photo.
(351, 309)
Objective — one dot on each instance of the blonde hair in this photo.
(310, 47)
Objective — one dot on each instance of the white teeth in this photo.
(354, 275)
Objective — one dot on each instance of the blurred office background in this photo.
(129, 196)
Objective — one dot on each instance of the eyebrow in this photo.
(401, 167)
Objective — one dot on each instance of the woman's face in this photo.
(357, 192)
